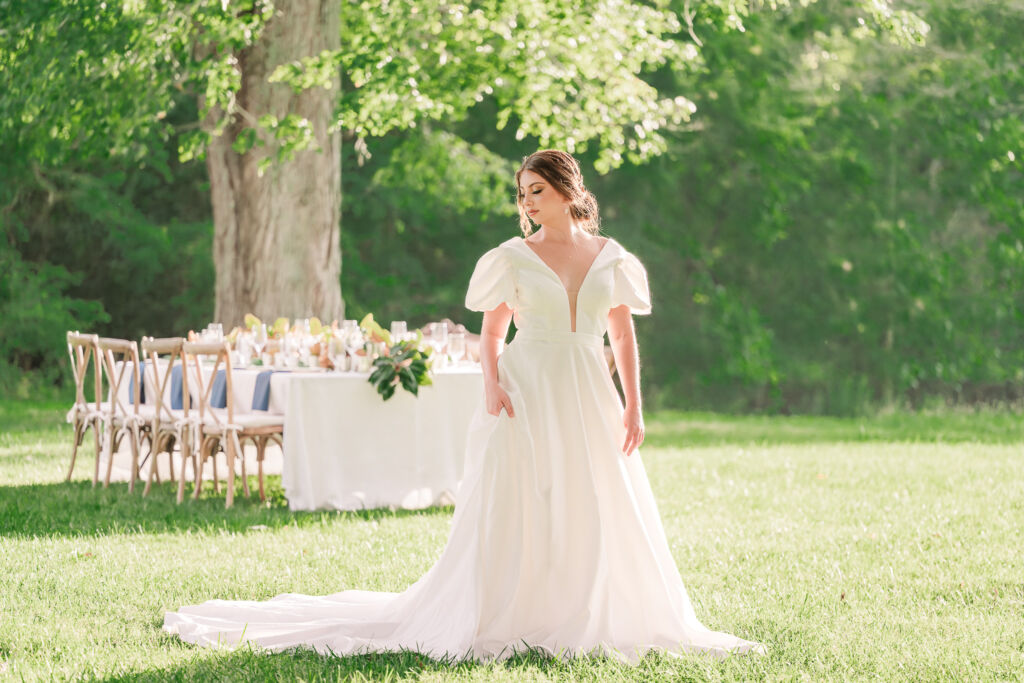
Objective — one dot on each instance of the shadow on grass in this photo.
(77, 509)
(306, 664)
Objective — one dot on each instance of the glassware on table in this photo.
(259, 339)
(457, 346)
(399, 330)
(350, 326)
(438, 341)
(287, 351)
(338, 354)
(243, 349)
(305, 345)
(438, 335)
(354, 341)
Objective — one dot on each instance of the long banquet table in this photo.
(346, 449)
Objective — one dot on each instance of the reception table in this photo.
(345, 448)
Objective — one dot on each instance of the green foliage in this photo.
(837, 230)
(405, 365)
(35, 313)
(839, 224)
(568, 74)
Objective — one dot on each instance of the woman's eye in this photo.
(536, 192)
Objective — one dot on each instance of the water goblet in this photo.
(457, 347)
(338, 354)
(259, 339)
(354, 341)
(243, 347)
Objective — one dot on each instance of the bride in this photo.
(556, 543)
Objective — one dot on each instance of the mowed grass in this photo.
(882, 548)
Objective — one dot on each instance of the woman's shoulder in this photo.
(500, 255)
(619, 252)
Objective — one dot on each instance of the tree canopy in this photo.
(824, 195)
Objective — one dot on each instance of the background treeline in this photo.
(840, 226)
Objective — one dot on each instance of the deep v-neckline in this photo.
(572, 307)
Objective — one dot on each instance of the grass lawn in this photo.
(856, 549)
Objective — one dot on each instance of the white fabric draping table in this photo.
(347, 449)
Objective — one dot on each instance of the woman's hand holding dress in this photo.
(492, 336)
(633, 421)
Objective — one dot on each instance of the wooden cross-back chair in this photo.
(83, 350)
(124, 415)
(169, 427)
(222, 428)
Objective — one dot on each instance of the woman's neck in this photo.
(563, 232)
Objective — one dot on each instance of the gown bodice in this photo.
(512, 273)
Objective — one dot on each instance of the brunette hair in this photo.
(562, 171)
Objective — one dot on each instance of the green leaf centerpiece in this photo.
(405, 363)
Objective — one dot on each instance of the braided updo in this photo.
(563, 172)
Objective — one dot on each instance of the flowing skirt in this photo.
(556, 543)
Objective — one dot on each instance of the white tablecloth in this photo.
(345, 448)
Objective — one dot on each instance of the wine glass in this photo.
(354, 341)
(259, 339)
(399, 329)
(438, 340)
(288, 348)
(457, 346)
(338, 353)
(243, 346)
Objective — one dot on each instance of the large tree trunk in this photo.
(276, 237)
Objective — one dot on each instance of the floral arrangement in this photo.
(404, 363)
(397, 363)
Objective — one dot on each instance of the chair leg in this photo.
(113, 443)
(146, 436)
(153, 452)
(213, 463)
(185, 459)
(199, 475)
(97, 438)
(79, 434)
(261, 448)
(230, 450)
(245, 476)
(186, 454)
(135, 436)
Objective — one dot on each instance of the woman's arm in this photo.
(622, 336)
(492, 336)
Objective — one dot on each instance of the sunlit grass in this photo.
(856, 549)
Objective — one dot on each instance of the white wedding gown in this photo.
(556, 542)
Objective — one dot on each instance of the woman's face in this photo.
(541, 202)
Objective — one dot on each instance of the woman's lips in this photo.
(532, 212)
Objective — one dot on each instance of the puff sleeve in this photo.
(492, 283)
(631, 286)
